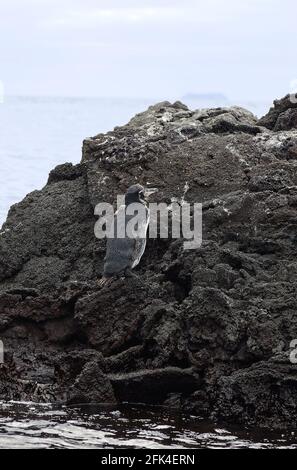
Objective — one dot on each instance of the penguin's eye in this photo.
(141, 194)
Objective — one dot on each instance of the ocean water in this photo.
(36, 134)
(29, 425)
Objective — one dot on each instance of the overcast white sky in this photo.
(148, 48)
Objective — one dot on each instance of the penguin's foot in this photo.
(105, 281)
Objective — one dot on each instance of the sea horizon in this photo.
(39, 132)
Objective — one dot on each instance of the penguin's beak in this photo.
(149, 191)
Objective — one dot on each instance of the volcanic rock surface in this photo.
(208, 330)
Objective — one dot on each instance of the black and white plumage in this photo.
(123, 254)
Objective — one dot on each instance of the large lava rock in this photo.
(283, 115)
(209, 329)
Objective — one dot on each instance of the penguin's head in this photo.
(137, 193)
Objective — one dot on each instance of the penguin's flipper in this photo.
(105, 281)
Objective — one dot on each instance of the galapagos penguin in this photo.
(123, 254)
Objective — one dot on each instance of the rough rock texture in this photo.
(206, 330)
(283, 115)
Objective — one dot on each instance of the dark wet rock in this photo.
(91, 386)
(266, 390)
(153, 386)
(206, 330)
(283, 115)
(234, 119)
(67, 171)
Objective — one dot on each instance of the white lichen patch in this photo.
(4, 231)
(103, 180)
(275, 140)
(233, 150)
(154, 129)
(167, 117)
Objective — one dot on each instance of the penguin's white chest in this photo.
(140, 239)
